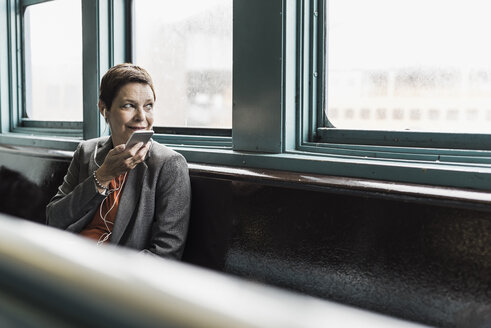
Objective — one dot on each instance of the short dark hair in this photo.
(118, 76)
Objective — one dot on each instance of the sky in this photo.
(395, 33)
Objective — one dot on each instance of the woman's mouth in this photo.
(134, 128)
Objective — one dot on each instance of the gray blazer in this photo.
(153, 213)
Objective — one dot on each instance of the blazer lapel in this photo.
(128, 201)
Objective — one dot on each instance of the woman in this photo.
(137, 197)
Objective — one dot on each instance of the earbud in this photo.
(104, 112)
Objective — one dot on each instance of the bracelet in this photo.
(99, 184)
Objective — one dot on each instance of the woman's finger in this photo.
(135, 148)
(142, 152)
(130, 163)
(116, 150)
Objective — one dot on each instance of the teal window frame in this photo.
(104, 39)
(421, 157)
(23, 124)
(184, 136)
(320, 135)
(277, 116)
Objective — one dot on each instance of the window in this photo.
(408, 65)
(53, 61)
(319, 86)
(187, 48)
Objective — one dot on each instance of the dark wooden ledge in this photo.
(466, 198)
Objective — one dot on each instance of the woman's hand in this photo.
(120, 160)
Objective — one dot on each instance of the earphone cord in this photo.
(105, 236)
(95, 153)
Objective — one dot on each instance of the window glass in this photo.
(53, 61)
(409, 65)
(187, 48)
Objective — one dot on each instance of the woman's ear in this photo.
(102, 109)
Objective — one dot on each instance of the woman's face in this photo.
(131, 110)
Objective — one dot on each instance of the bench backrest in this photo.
(423, 254)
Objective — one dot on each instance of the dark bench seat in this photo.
(418, 252)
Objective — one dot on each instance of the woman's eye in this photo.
(149, 106)
(127, 106)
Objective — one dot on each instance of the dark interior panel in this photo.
(417, 259)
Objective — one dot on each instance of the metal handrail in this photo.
(54, 278)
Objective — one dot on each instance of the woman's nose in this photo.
(139, 114)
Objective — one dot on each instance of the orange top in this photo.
(97, 229)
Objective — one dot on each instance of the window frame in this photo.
(311, 69)
(457, 147)
(24, 124)
(372, 153)
(9, 97)
(105, 41)
(187, 136)
(270, 112)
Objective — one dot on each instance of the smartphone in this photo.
(139, 136)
